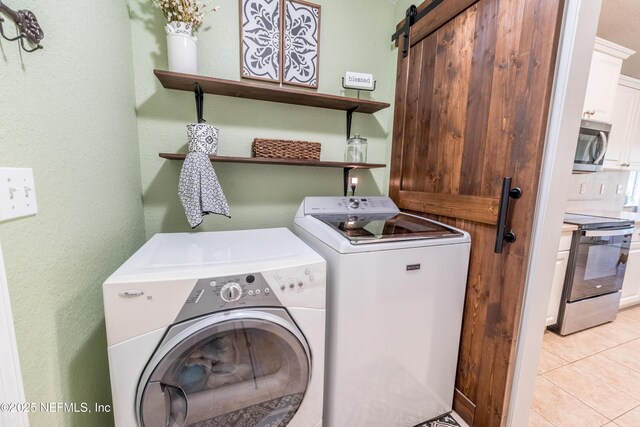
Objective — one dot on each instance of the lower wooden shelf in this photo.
(346, 167)
(265, 161)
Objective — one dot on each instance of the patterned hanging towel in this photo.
(199, 188)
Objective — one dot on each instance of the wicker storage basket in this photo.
(285, 149)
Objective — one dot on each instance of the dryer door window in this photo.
(248, 372)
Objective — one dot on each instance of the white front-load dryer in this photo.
(217, 329)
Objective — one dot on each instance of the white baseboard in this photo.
(629, 301)
(11, 388)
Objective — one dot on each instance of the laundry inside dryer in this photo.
(231, 358)
(234, 374)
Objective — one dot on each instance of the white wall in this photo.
(600, 191)
(68, 112)
(574, 57)
(11, 389)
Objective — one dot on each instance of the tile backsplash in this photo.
(598, 190)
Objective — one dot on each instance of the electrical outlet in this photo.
(619, 189)
(17, 193)
(583, 188)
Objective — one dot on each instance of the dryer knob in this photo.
(231, 292)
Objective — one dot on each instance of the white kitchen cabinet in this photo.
(624, 140)
(556, 287)
(631, 285)
(606, 63)
(558, 277)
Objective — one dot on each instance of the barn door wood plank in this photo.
(472, 208)
(438, 17)
(425, 115)
(411, 119)
(480, 86)
(402, 79)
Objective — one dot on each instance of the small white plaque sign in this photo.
(359, 81)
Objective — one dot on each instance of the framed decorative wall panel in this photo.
(301, 43)
(280, 41)
(260, 35)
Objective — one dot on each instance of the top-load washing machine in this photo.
(395, 297)
(218, 329)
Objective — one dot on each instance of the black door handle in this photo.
(502, 235)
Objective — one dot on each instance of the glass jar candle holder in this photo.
(356, 151)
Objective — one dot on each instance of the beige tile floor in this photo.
(591, 378)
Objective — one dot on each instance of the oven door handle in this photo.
(621, 232)
(599, 155)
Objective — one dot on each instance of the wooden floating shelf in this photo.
(346, 167)
(263, 92)
(287, 162)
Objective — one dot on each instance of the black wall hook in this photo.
(27, 25)
(199, 104)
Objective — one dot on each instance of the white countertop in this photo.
(568, 227)
(633, 216)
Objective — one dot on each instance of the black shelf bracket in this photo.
(350, 112)
(199, 104)
(345, 175)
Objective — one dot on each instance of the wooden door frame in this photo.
(574, 57)
(502, 349)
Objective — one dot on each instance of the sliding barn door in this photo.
(472, 99)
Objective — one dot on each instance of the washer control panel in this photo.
(346, 205)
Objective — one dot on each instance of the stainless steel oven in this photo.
(595, 273)
(592, 146)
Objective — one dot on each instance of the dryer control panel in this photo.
(222, 293)
(267, 289)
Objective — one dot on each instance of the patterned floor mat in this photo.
(444, 421)
(274, 413)
(278, 413)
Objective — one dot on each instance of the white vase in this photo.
(182, 50)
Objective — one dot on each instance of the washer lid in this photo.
(362, 229)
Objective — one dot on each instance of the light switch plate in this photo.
(583, 188)
(17, 193)
(619, 189)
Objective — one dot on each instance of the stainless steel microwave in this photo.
(592, 146)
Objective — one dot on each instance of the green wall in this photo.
(68, 112)
(355, 36)
(88, 115)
